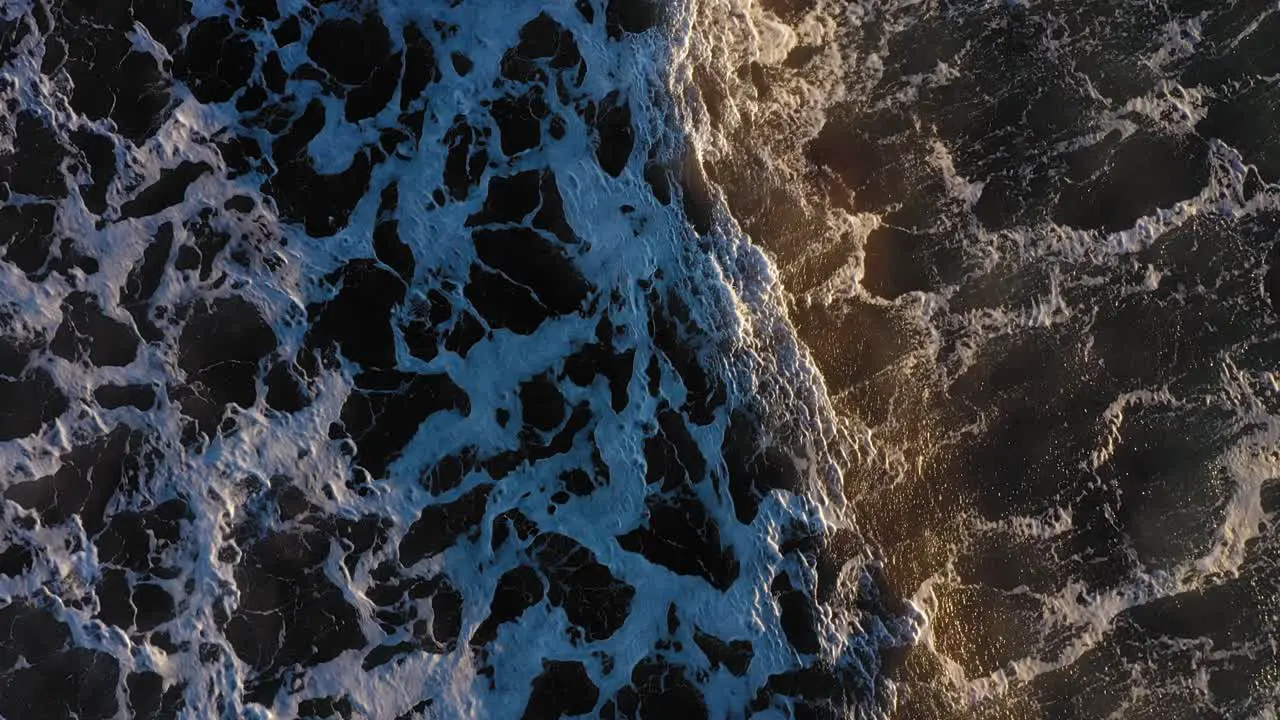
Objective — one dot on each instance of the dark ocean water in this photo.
(1032, 247)
(721, 359)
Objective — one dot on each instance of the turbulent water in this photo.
(363, 359)
(627, 359)
(1032, 247)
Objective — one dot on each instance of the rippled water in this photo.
(1032, 247)
(726, 359)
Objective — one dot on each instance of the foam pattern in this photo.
(385, 360)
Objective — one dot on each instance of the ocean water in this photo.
(1032, 249)
(394, 360)
(594, 358)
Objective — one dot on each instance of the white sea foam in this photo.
(736, 303)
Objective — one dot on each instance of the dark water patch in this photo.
(818, 691)
(545, 47)
(144, 541)
(326, 708)
(216, 60)
(872, 169)
(1043, 419)
(89, 478)
(596, 603)
(350, 50)
(860, 342)
(509, 199)
(439, 527)
(517, 591)
(169, 190)
(322, 202)
(387, 408)
(1245, 120)
(35, 168)
(658, 689)
(631, 16)
(88, 333)
(16, 560)
(1239, 42)
(465, 333)
(563, 688)
(15, 351)
(598, 358)
(542, 405)
(239, 203)
(1271, 281)
(659, 182)
(672, 456)
(529, 259)
(798, 612)
(681, 535)
(899, 261)
(420, 69)
(391, 250)
(1172, 494)
(754, 466)
(289, 612)
(461, 63)
(520, 121)
(12, 32)
(466, 158)
(129, 606)
(358, 319)
(286, 391)
(614, 133)
(1144, 173)
(577, 482)
(144, 279)
(422, 331)
(28, 402)
(669, 319)
(503, 303)
(734, 655)
(110, 77)
(287, 32)
(384, 654)
(1002, 618)
(446, 617)
(111, 397)
(273, 73)
(57, 678)
(220, 347)
(150, 700)
(27, 234)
